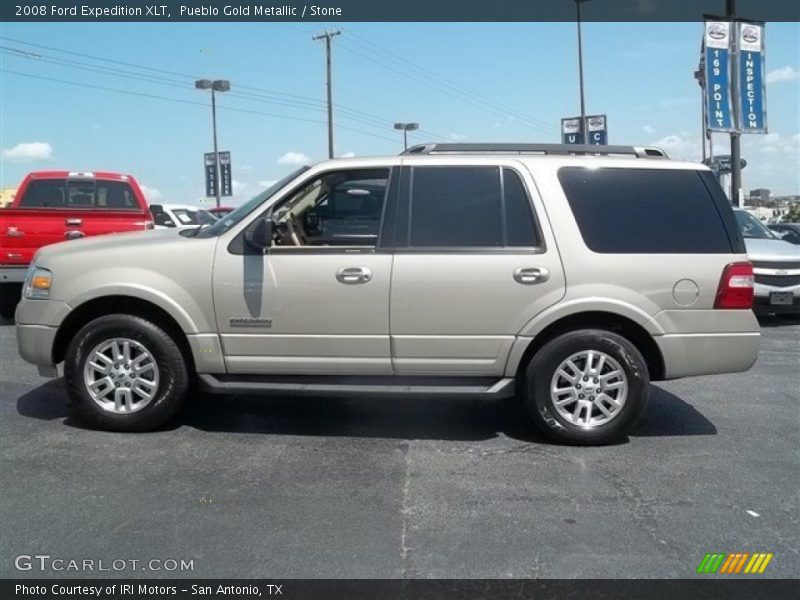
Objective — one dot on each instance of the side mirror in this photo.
(162, 218)
(259, 234)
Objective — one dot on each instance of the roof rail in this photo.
(547, 149)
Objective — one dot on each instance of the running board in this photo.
(482, 387)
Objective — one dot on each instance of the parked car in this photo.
(180, 216)
(573, 280)
(776, 267)
(788, 232)
(52, 206)
(220, 211)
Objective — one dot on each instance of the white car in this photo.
(180, 216)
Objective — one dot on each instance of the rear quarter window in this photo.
(44, 193)
(644, 211)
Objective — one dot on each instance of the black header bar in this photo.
(387, 10)
(733, 588)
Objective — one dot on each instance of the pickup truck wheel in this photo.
(586, 387)
(124, 373)
(9, 297)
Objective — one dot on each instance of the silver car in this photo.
(776, 266)
(569, 276)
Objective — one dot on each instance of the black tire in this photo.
(541, 369)
(9, 298)
(173, 384)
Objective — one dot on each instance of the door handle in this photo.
(73, 235)
(353, 275)
(75, 222)
(531, 275)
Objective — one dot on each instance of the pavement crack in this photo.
(405, 513)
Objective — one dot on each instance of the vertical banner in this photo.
(571, 131)
(210, 160)
(597, 130)
(718, 76)
(226, 179)
(752, 95)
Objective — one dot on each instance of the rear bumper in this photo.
(13, 274)
(690, 354)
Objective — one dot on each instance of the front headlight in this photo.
(37, 283)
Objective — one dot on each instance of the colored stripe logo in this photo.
(735, 563)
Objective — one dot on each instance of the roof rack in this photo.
(547, 149)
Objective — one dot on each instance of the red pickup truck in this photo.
(53, 206)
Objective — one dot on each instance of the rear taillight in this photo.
(736, 286)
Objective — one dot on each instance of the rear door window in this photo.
(645, 211)
(466, 206)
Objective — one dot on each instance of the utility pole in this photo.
(580, 71)
(736, 140)
(218, 85)
(327, 35)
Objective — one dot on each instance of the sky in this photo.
(62, 104)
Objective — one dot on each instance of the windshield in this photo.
(225, 222)
(752, 227)
(189, 216)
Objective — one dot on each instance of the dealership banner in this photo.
(225, 177)
(210, 159)
(571, 131)
(597, 130)
(719, 104)
(752, 93)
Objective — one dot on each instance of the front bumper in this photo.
(761, 299)
(37, 325)
(762, 306)
(35, 344)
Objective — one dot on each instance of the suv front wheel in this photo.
(586, 387)
(125, 373)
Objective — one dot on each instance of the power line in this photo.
(188, 102)
(172, 83)
(443, 86)
(397, 58)
(269, 96)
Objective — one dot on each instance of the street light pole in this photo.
(218, 85)
(327, 35)
(406, 127)
(700, 76)
(580, 71)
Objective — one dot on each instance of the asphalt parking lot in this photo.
(298, 487)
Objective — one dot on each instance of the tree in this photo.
(793, 216)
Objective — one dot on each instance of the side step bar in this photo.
(357, 386)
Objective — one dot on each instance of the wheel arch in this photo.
(119, 304)
(608, 321)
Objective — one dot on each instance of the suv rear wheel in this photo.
(125, 373)
(586, 387)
